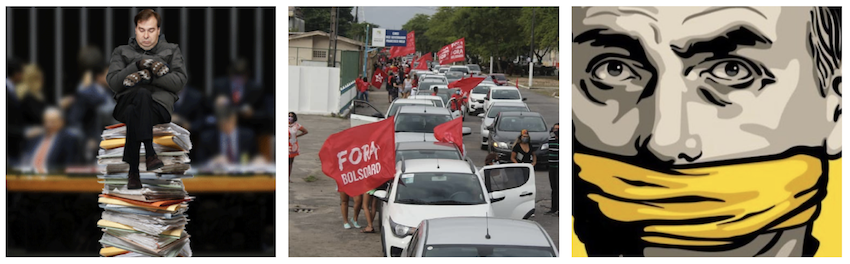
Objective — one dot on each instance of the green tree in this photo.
(319, 18)
(419, 24)
(545, 29)
(358, 31)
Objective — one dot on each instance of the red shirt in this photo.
(457, 102)
(361, 85)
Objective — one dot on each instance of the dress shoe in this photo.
(134, 181)
(152, 163)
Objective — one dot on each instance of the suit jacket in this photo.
(65, 151)
(211, 144)
(84, 113)
(14, 128)
(191, 106)
(251, 93)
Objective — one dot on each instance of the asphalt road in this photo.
(315, 221)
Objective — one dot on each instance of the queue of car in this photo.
(439, 202)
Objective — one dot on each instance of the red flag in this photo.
(423, 62)
(456, 51)
(451, 132)
(467, 84)
(360, 158)
(410, 47)
(378, 78)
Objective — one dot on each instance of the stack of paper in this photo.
(147, 222)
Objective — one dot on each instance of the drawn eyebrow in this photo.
(622, 11)
(716, 9)
(597, 38)
(724, 43)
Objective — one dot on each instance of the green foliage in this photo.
(545, 28)
(358, 31)
(419, 25)
(319, 18)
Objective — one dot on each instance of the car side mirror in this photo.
(481, 115)
(497, 196)
(466, 131)
(382, 195)
(523, 99)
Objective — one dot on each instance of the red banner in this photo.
(360, 158)
(423, 65)
(409, 49)
(378, 78)
(452, 52)
(467, 84)
(451, 132)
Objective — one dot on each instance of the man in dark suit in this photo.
(56, 149)
(189, 110)
(92, 110)
(242, 91)
(228, 142)
(14, 124)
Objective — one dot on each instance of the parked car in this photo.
(499, 79)
(498, 94)
(427, 150)
(412, 122)
(436, 100)
(463, 69)
(474, 69)
(452, 76)
(506, 128)
(436, 188)
(443, 69)
(464, 237)
(478, 93)
(398, 103)
(498, 107)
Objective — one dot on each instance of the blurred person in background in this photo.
(56, 148)
(92, 108)
(362, 87)
(189, 110)
(14, 122)
(553, 167)
(390, 87)
(146, 75)
(244, 93)
(228, 143)
(29, 93)
(408, 86)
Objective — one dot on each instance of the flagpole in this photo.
(366, 50)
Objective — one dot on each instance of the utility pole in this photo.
(366, 51)
(336, 31)
(531, 55)
(331, 37)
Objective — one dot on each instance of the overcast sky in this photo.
(392, 17)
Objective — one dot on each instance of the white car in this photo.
(436, 100)
(465, 70)
(476, 97)
(502, 94)
(412, 122)
(463, 237)
(360, 119)
(436, 188)
(490, 115)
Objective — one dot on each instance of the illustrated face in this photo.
(696, 84)
(147, 33)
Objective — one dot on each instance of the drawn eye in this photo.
(732, 73)
(613, 72)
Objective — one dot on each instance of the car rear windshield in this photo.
(459, 69)
(486, 251)
(483, 89)
(439, 189)
(474, 67)
(395, 107)
(518, 123)
(498, 109)
(434, 80)
(419, 123)
(427, 154)
(506, 94)
(500, 77)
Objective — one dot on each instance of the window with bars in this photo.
(320, 54)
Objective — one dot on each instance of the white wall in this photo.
(314, 90)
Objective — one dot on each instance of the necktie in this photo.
(230, 156)
(41, 155)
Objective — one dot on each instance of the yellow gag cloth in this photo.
(741, 199)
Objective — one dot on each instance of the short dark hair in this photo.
(90, 58)
(147, 14)
(294, 116)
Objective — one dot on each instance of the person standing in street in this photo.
(522, 152)
(146, 75)
(294, 149)
(553, 168)
(408, 86)
(390, 87)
